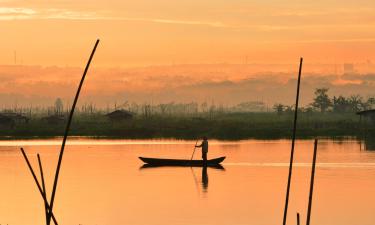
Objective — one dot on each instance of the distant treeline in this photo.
(325, 116)
(141, 109)
(339, 104)
(233, 126)
(321, 103)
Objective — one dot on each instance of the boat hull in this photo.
(180, 162)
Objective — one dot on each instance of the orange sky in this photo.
(186, 31)
(168, 50)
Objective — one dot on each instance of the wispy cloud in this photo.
(9, 13)
(185, 22)
(348, 40)
(335, 11)
(16, 13)
(27, 13)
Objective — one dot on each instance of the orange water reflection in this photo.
(101, 183)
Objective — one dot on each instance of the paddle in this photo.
(195, 146)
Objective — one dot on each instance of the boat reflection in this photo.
(204, 175)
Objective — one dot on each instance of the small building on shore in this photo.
(367, 114)
(16, 117)
(120, 115)
(6, 122)
(54, 119)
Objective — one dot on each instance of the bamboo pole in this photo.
(312, 183)
(293, 143)
(67, 130)
(38, 185)
(43, 187)
(195, 146)
(298, 223)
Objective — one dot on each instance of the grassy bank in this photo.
(230, 126)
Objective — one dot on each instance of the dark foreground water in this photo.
(101, 183)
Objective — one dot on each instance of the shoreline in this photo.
(117, 138)
(236, 126)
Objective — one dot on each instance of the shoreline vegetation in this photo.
(325, 117)
(221, 126)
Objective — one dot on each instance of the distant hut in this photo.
(119, 115)
(16, 117)
(367, 114)
(54, 119)
(6, 122)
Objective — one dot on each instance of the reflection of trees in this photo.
(369, 143)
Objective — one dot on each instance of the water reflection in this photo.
(204, 173)
(367, 143)
(204, 178)
(106, 182)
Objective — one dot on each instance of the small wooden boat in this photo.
(150, 166)
(181, 162)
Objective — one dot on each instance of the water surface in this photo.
(101, 183)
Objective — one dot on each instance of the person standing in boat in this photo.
(204, 146)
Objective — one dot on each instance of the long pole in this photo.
(67, 130)
(43, 187)
(298, 223)
(312, 182)
(38, 185)
(195, 146)
(293, 142)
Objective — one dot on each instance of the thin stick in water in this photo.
(293, 142)
(67, 130)
(312, 183)
(43, 187)
(298, 219)
(38, 185)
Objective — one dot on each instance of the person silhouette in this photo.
(204, 146)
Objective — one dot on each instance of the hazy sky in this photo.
(148, 32)
(37, 86)
(201, 45)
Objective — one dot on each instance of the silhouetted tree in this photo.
(341, 104)
(307, 109)
(356, 103)
(279, 108)
(321, 100)
(289, 108)
(59, 106)
(369, 103)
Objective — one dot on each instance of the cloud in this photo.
(8, 13)
(21, 11)
(322, 12)
(337, 40)
(184, 22)
(16, 13)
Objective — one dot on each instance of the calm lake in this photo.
(101, 183)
